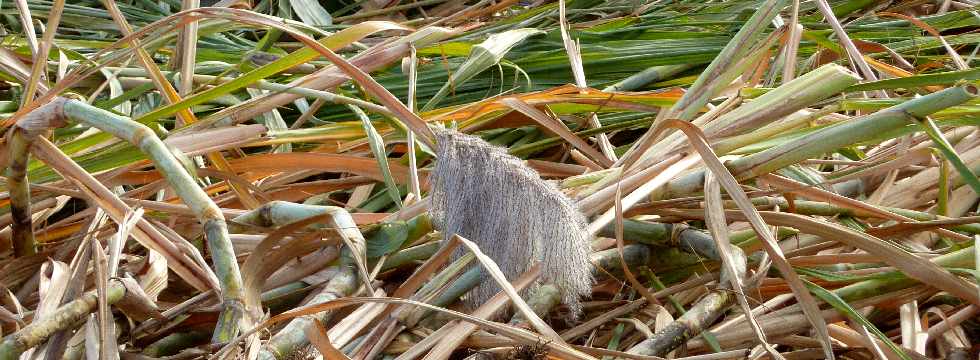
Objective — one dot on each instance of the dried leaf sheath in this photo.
(482, 193)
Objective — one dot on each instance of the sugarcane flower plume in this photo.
(484, 194)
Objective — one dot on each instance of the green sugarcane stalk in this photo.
(962, 258)
(226, 268)
(38, 331)
(344, 282)
(804, 91)
(636, 255)
(647, 76)
(850, 132)
(793, 121)
(545, 297)
(542, 298)
(797, 94)
(285, 297)
(459, 286)
(685, 238)
(789, 98)
(411, 254)
(175, 342)
(662, 234)
(719, 73)
(293, 336)
(657, 234)
(278, 213)
(830, 139)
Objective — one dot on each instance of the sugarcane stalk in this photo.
(856, 292)
(36, 123)
(284, 297)
(696, 319)
(806, 90)
(708, 83)
(793, 121)
(546, 297)
(68, 315)
(22, 229)
(803, 91)
(278, 213)
(647, 76)
(454, 274)
(850, 132)
(344, 282)
(454, 291)
(662, 234)
(175, 342)
(207, 212)
(690, 239)
(542, 298)
(411, 254)
(293, 336)
(831, 138)
(658, 234)
(962, 258)
(718, 74)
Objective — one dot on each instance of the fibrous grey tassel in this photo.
(484, 194)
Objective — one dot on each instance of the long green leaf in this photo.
(306, 54)
(949, 152)
(846, 309)
(311, 12)
(943, 78)
(482, 57)
(378, 150)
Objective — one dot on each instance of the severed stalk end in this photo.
(229, 321)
